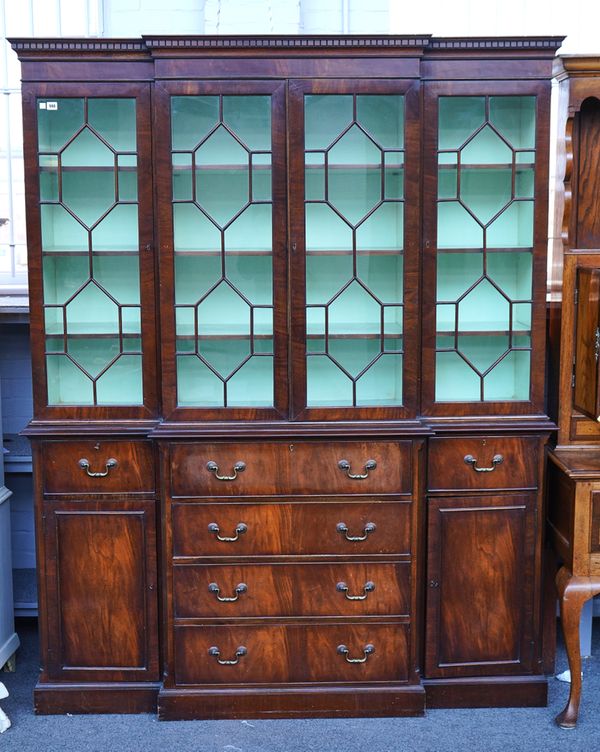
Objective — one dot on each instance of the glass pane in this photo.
(382, 116)
(326, 275)
(114, 121)
(193, 230)
(88, 193)
(485, 192)
(87, 150)
(118, 231)
(483, 309)
(93, 355)
(251, 231)
(514, 117)
(192, 118)
(459, 118)
(513, 228)
(509, 380)
(61, 231)
(325, 230)
(382, 383)
(457, 228)
(194, 276)
(326, 384)
(59, 122)
(252, 384)
(92, 311)
(325, 117)
(249, 117)
(197, 385)
(67, 384)
(455, 380)
(63, 276)
(383, 274)
(383, 230)
(122, 382)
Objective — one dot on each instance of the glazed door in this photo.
(354, 237)
(222, 224)
(89, 193)
(484, 249)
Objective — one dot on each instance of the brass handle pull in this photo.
(344, 465)
(215, 653)
(367, 651)
(85, 465)
(497, 459)
(368, 587)
(214, 588)
(212, 467)
(240, 529)
(370, 527)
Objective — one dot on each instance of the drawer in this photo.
(343, 528)
(291, 653)
(346, 589)
(98, 467)
(276, 468)
(461, 464)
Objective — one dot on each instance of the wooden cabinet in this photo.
(288, 296)
(574, 465)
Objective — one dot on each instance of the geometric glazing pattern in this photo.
(89, 209)
(354, 210)
(222, 209)
(486, 164)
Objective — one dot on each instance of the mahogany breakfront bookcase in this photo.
(288, 327)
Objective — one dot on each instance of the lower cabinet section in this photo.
(481, 585)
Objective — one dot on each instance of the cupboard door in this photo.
(587, 343)
(480, 586)
(222, 218)
(354, 151)
(100, 582)
(90, 208)
(485, 245)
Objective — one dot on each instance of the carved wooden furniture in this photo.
(322, 496)
(574, 469)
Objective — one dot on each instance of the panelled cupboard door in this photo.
(587, 343)
(354, 238)
(485, 238)
(480, 586)
(222, 225)
(91, 256)
(100, 582)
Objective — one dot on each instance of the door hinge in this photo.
(576, 296)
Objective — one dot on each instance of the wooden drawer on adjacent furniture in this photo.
(346, 589)
(344, 528)
(277, 468)
(458, 464)
(98, 467)
(291, 653)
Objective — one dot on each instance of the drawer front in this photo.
(340, 467)
(276, 468)
(291, 653)
(98, 467)
(343, 528)
(461, 464)
(291, 590)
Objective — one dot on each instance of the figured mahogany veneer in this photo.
(271, 469)
(291, 590)
(306, 528)
(125, 467)
(292, 653)
(475, 463)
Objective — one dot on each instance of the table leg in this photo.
(573, 592)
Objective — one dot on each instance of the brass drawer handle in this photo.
(85, 465)
(344, 465)
(240, 529)
(215, 653)
(368, 587)
(367, 651)
(370, 527)
(214, 588)
(497, 459)
(212, 467)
